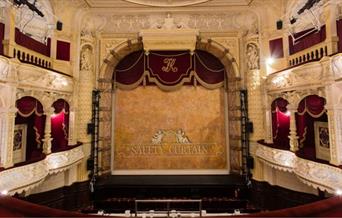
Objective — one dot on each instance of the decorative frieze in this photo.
(19, 179)
(28, 76)
(310, 75)
(325, 177)
(322, 176)
(275, 158)
(61, 161)
(26, 177)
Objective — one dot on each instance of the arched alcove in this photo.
(311, 120)
(29, 129)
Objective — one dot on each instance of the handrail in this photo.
(168, 202)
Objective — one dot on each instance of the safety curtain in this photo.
(60, 125)
(169, 70)
(280, 123)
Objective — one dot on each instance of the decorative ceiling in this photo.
(164, 3)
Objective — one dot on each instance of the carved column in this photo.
(330, 12)
(71, 134)
(7, 121)
(84, 114)
(294, 145)
(8, 41)
(268, 121)
(335, 135)
(47, 133)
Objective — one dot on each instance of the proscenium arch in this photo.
(106, 87)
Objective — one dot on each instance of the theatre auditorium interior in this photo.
(171, 108)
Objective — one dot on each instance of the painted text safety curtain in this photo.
(169, 70)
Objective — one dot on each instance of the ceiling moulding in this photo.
(165, 3)
(169, 36)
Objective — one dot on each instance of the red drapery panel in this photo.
(130, 70)
(28, 105)
(280, 123)
(339, 34)
(276, 48)
(307, 41)
(32, 44)
(310, 110)
(2, 37)
(30, 112)
(208, 68)
(312, 104)
(60, 125)
(63, 51)
(169, 69)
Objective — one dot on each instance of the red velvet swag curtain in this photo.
(280, 123)
(60, 125)
(131, 69)
(310, 110)
(34, 45)
(30, 112)
(169, 69)
(208, 68)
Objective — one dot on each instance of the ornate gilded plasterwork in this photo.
(205, 22)
(230, 43)
(279, 159)
(19, 179)
(25, 75)
(57, 162)
(310, 75)
(322, 176)
(26, 177)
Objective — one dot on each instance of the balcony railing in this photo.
(318, 175)
(26, 177)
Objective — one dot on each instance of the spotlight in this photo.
(269, 61)
(338, 192)
(4, 192)
(287, 113)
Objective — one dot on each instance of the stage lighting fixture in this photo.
(31, 6)
(293, 20)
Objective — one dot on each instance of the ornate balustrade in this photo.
(311, 74)
(26, 177)
(276, 158)
(26, 75)
(325, 177)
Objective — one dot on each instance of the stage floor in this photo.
(167, 180)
